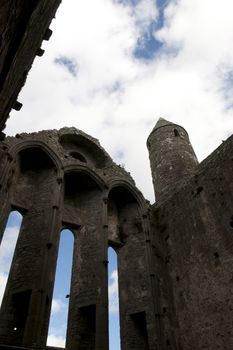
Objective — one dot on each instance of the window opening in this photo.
(113, 301)
(176, 132)
(7, 248)
(60, 302)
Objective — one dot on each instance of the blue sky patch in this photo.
(148, 45)
(68, 63)
(229, 78)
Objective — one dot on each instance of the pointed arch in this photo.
(126, 234)
(123, 206)
(82, 171)
(89, 148)
(32, 144)
(132, 191)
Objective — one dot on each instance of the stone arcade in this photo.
(174, 258)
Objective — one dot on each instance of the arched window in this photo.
(176, 132)
(60, 302)
(80, 143)
(7, 248)
(113, 301)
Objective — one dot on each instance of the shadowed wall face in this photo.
(174, 259)
(127, 236)
(65, 180)
(32, 190)
(193, 245)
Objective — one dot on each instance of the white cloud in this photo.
(145, 12)
(118, 98)
(55, 340)
(57, 306)
(113, 293)
(3, 281)
(7, 248)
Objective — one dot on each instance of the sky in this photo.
(113, 67)
(7, 248)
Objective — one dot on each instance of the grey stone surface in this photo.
(171, 156)
(174, 257)
(192, 227)
(64, 179)
(23, 27)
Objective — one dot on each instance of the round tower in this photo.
(172, 158)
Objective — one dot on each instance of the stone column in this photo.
(136, 308)
(155, 333)
(87, 322)
(36, 329)
(102, 336)
(27, 301)
(5, 181)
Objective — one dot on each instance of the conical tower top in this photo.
(171, 156)
(161, 122)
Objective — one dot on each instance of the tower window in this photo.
(176, 132)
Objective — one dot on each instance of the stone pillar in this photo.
(6, 174)
(27, 301)
(137, 318)
(36, 330)
(102, 336)
(157, 338)
(88, 320)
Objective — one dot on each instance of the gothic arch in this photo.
(138, 197)
(86, 170)
(73, 142)
(17, 148)
(126, 233)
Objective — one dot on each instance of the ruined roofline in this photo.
(60, 132)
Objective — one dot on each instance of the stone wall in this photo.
(23, 27)
(56, 182)
(193, 252)
(174, 258)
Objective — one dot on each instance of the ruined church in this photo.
(175, 256)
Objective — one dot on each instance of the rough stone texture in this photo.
(174, 258)
(23, 27)
(64, 179)
(171, 156)
(192, 247)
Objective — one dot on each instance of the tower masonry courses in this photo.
(174, 256)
